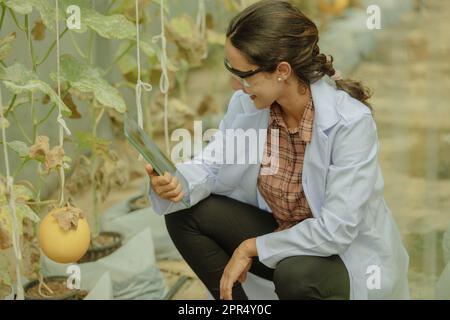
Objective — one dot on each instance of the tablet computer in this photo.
(150, 151)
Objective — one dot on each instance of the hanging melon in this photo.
(64, 234)
(334, 7)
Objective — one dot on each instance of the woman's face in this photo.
(263, 87)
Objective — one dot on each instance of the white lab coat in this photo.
(342, 182)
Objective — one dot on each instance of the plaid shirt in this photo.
(283, 190)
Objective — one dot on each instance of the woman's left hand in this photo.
(237, 267)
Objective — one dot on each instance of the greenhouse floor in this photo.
(178, 275)
(411, 111)
(174, 273)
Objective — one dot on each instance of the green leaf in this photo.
(6, 224)
(127, 64)
(18, 80)
(19, 147)
(191, 44)
(183, 26)
(154, 52)
(87, 79)
(22, 193)
(47, 12)
(111, 27)
(4, 122)
(24, 211)
(148, 48)
(45, 8)
(88, 141)
(5, 45)
(20, 6)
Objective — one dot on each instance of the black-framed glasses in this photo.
(242, 74)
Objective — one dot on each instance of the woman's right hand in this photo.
(167, 186)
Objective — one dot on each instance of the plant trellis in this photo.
(163, 59)
(12, 206)
(139, 83)
(201, 22)
(62, 124)
(164, 80)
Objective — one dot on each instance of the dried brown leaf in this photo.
(38, 30)
(40, 148)
(72, 106)
(54, 158)
(68, 217)
(5, 238)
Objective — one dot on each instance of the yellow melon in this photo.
(335, 7)
(64, 245)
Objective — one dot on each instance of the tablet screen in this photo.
(150, 151)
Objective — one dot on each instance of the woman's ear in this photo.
(284, 70)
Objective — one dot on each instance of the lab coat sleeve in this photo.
(350, 181)
(198, 175)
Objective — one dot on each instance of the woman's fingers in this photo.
(227, 290)
(220, 287)
(226, 287)
(178, 198)
(242, 277)
(150, 171)
(158, 181)
(167, 187)
(169, 193)
(170, 186)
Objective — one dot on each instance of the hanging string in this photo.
(12, 207)
(62, 124)
(164, 80)
(139, 84)
(201, 23)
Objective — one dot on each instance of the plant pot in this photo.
(57, 284)
(137, 203)
(98, 250)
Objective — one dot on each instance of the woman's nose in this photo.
(235, 84)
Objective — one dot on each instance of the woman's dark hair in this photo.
(271, 31)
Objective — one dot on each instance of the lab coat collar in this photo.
(324, 97)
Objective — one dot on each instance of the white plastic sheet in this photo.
(131, 268)
(101, 290)
(119, 218)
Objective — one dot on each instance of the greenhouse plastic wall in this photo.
(65, 157)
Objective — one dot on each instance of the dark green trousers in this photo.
(207, 234)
